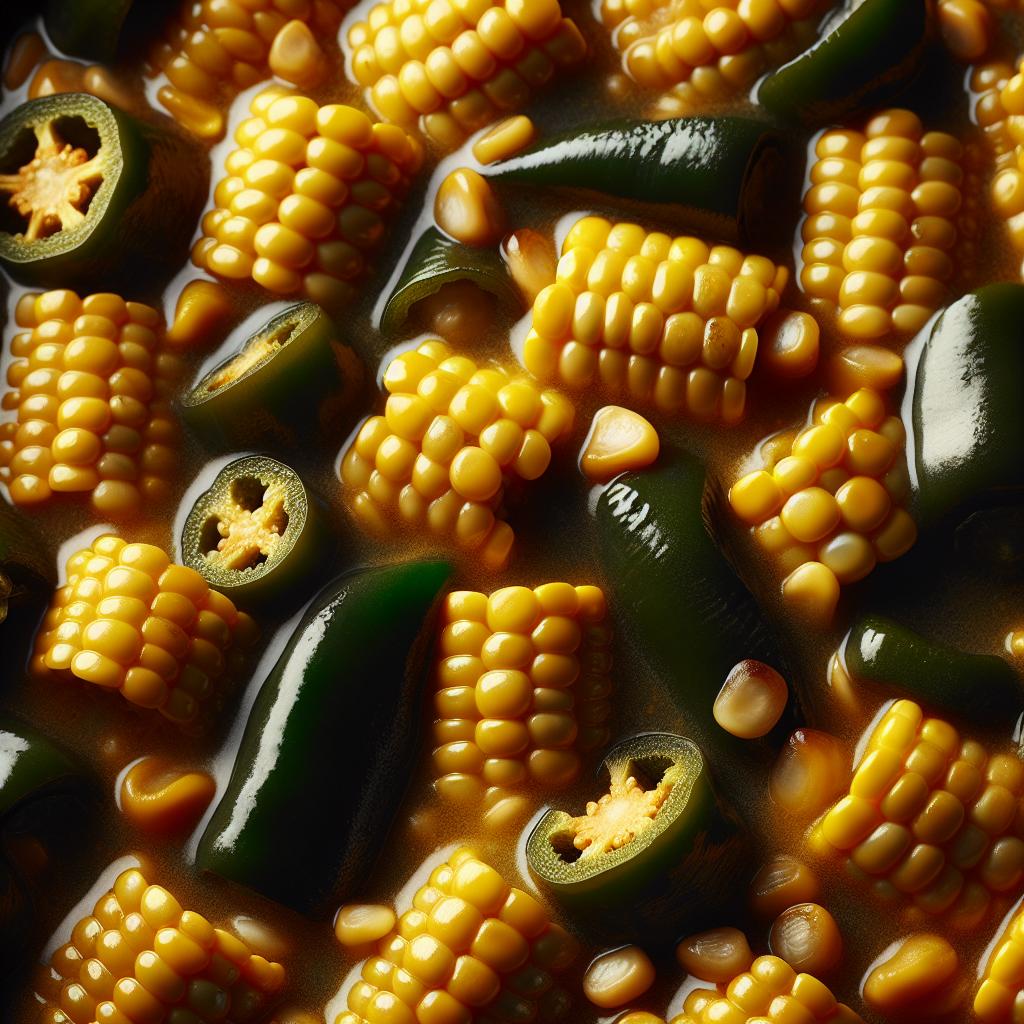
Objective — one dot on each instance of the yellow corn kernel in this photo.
(201, 312)
(466, 209)
(504, 140)
(295, 56)
(619, 440)
(920, 973)
(158, 797)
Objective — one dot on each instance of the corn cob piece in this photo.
(881, 223)
(305, 198)
(128, 619)
(931, 816)
(671, 321)
(87, 408)
(832, 493)
(471, 948)
(453, 66)
(452, 436)
(216, 48)
(707, 49)
(1000, 997)
(523, 680)
(140, 957)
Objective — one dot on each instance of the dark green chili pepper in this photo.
(292, 375)
(729, 176)
(82, 183)
(991, 542)
(981, 688)
(685, 864)
(86, 28)
(968, 417)
(437, 260)
(256, 535)
(330, 741)
(866, 55)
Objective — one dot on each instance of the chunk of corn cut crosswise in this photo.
(129, 619)
(1000, 996)
(87, 409)
(669, 321)
(216, 48)
(931, 817)
(523, 680)
(882, 219)
(471, 948)
(771, 992)
(140, 957)
(707, 49)
(306, 197)
(454, 66)
(453, 436)
(832, 493)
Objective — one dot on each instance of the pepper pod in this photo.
(85, 183)
(657, 856)
(290, 377)
(330, 739)
(256, 535)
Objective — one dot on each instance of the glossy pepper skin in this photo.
(330, 740)
(290, 377)
(864, 58)
(968, 418)
(673, 877)
(144, 194)
(724, 175)
(693, 618)
(980, 688)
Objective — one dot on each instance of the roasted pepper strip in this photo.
(726, 176)
(867, 54)
(980, 688)
(292, 375)
(86, 28)
(83, 183)
(968, 419)
(692, 616)
(657, 855)
(255, 534)
(329, 739)
(437, 260)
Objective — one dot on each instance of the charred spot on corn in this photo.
(255, 534)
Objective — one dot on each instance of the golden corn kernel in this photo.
(918, 974)
(717, 955)
(617, 978)
(466, 209)
(155, 795)
(807, 937)
(751, 700)
(619, 440)
(295, 56)
(781, 883)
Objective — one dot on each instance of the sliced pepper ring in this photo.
(254, 535)
(656, 853)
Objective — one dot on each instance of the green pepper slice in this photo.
(437, 260)
(329, 743)
(256, 534)
(691, 615)
(728, 176)
(86, 28)
(981, 688)
(290, 376)
(968, 418)
(656, 856)
(866, 55)
(83, 183)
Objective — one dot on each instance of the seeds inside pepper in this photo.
(246, 526)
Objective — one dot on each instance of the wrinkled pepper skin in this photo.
(981, 688)
(653, 889)
(968, 417)
(727, 176)
(330, 742)
(863, 59)
(691, 615)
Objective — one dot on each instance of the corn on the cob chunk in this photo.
(87, 409)
(470, 948)
(140, 957)
(832, 494)
(216, 48)
(881, 223)
(671, 321)
(1000, 997)
(523, 681)
(453, 66)
(305, 198)
(931, 816)
(452, 436)
(128, 619)
(707, 49)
